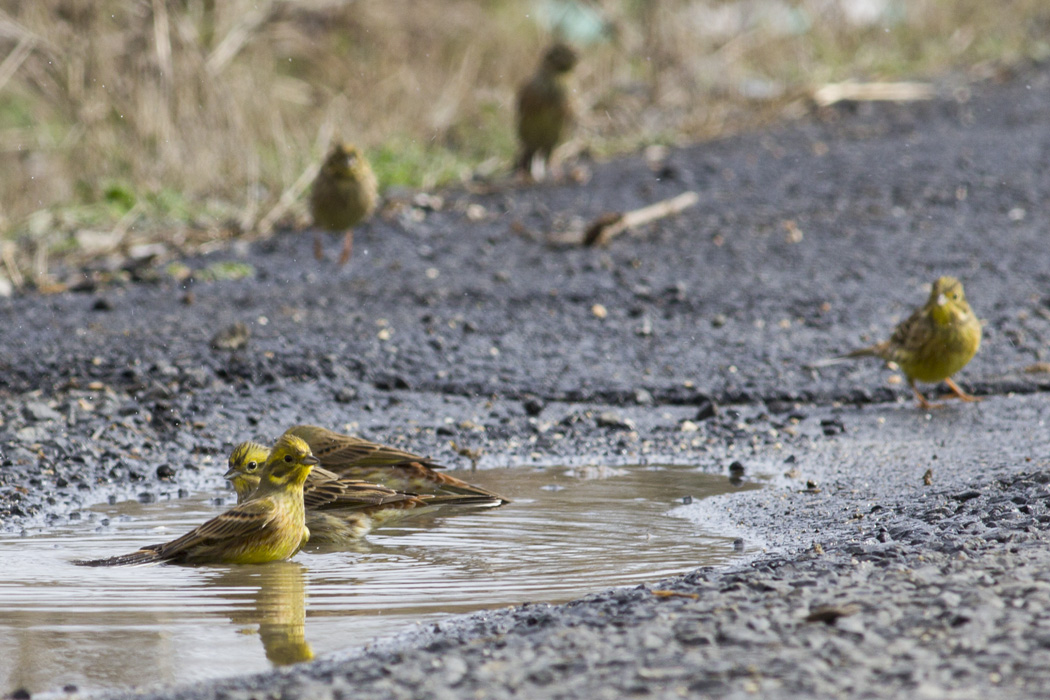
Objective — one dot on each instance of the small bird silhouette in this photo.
(544, 107)
(344, 194)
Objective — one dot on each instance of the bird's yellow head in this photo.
(947, 300)
(246, 460)
(560, 58)
(288, 465)
(342, 161)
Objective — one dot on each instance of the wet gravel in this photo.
(895, 553)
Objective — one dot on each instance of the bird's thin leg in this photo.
(923, 403)
(959, 393)
(348, 247)
(541, 165)
(318, 246)
(554, 168)
(524, 165)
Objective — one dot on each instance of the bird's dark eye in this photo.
(288, 458)
(252, 466)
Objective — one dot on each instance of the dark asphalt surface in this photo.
(464, 324)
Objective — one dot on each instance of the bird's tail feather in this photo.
(872, 351)
(467, 501)
(139, 558)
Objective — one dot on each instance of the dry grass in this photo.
(173, 120)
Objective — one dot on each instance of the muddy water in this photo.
(568, 532)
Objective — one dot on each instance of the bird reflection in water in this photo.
(272, 596)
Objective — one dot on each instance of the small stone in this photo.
(346, 395)
(39, 411)
(31, 434)
(165, 472)
(736, 474)
(646, 329)
(233, 337)
(829, 614)
(455, 669)
(611, 419)
(688, 426)
(533, 406)
(387, 381)
(642, 397)
(599, 311)
(832, 426)
(196, 377)
(707, 409)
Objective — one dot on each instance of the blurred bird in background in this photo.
(544, 107)
(343, 195)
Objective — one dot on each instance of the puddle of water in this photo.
(567, 533)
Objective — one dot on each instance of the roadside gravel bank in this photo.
(687, 343)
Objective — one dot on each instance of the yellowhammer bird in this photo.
(935, 342)
(344, 194)
(544, 106)
(269, 527)
(357, 458)
(339, 509)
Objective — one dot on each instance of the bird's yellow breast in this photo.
(954, 340)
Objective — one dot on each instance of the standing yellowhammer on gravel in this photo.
(340, 510)
(545, 107)
(270, 526)
(344, 194)
(935, 342)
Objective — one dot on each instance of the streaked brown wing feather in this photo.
(337, 451)
(357, 458)
(352, 494)
(908, 337)
(243, 519)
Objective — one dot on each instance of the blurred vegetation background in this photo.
(132, 122)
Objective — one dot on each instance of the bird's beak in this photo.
(229, 473)
(941, 300)
(311, 460)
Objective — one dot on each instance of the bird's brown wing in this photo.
(909, 336)
(337, 451)
(243, 519)
(330, 491)
(417, 477)
(356, 458)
